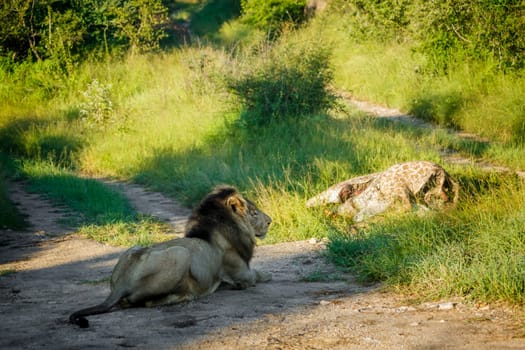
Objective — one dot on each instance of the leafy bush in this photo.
(380, 20)
(289, 79)
(444, 30)
(482, 30)
(66, 30)
(139, 23)
(270, 14)
(97, 108)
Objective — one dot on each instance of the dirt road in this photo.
(48, 273)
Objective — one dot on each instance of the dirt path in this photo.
(154, 204)
(46, 273)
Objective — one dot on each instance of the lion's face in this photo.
(258, 219)
(248, 213)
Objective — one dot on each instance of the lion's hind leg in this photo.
(174, 298)
(159, 273)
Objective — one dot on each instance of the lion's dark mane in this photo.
(212, 216)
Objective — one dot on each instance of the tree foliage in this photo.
(269, 15)
(63, 30)
(484, 29)
(491, 30)
(287, 79)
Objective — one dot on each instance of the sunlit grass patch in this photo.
(91, 199)
(143, 232)
(291, 220)
(471, 96)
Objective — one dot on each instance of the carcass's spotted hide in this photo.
(418, 184)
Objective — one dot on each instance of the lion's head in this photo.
(257, 219)
(225, 212)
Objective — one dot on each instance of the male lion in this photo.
(217, 247)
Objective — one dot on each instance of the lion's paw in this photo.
(263, 276)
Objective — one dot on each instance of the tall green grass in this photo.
(93, 199)
(285, 163)
(469, 97)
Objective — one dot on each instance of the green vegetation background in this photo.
(183, 95)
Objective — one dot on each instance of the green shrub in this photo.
(380, 20)
(269, 15)
(140, 24)
(285, 80)
(446, 31)
(65, 31)
(97, 107)
(480, 30)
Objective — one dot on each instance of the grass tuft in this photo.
(143, 232)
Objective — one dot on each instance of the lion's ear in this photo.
(237, 204)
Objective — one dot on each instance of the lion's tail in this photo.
(78, 317)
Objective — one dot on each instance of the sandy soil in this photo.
(48, 273)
